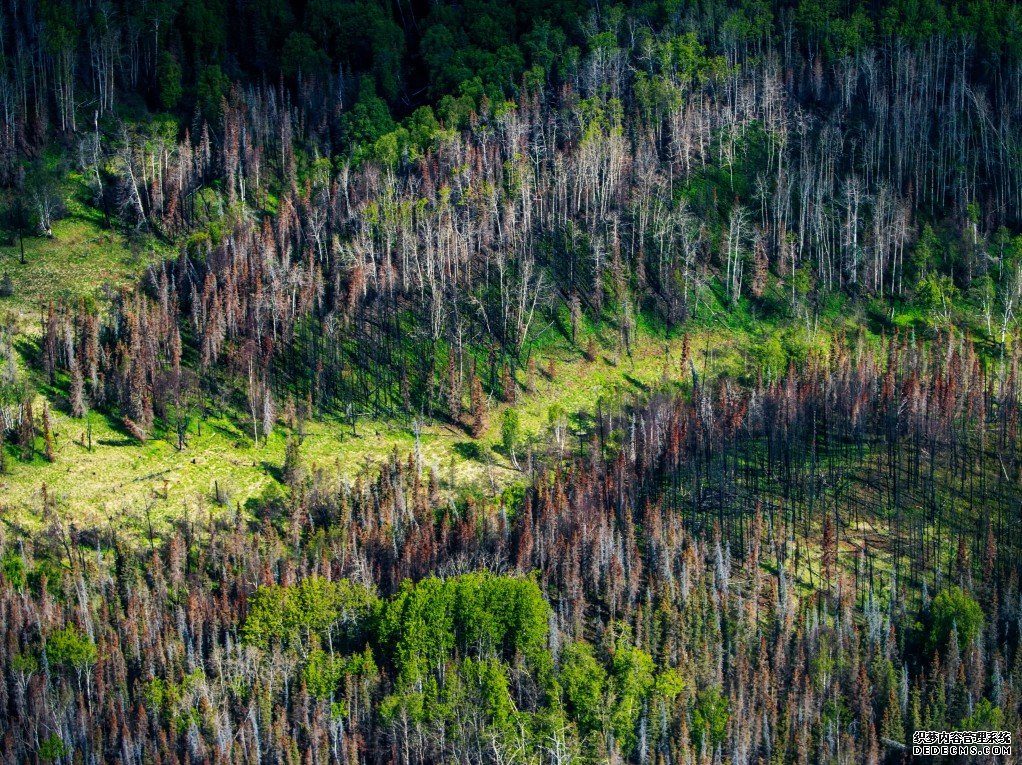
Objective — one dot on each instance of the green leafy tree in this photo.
(836, 29)
(168, 78)
(954, 610)
(490, 622)
(446, 66)
(710, 717)
(424, 130)
(985, 716)
(584, 683)
(480, 614)
(177, 702)
(913, 20)
(324, 671)
(772, 357)
(302, 56)
(13, 567)
(205, 28)
(369, 118)
(52, 748)
(311, 611)
(362, 34)
(71, 649)
(25, 664)
(631, 680)
(455, 111)
(510, 431)
(212, 89)
(390, 149)
(544, 44)
(937, 294)
(486, 680)
(927, 252)
(271, 21)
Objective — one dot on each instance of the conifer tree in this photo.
(77, 392)
(48, 446)
(292, 471)
(26, 430)
(575, 310)
(478, 401)
(453, 387)
(507, 384)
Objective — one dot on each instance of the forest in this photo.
(533, 382)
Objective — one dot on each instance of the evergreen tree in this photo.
(49, 450)
(26, 430)
(478, 401)
(77, 392)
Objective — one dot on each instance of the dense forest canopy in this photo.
(394, 212)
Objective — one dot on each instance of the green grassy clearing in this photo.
(81, 260)
(119, 476)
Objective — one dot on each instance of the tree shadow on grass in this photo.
(28, 349)
(583, 419)
(469, 450)
(117, 442)
(636, 382)
(232, 432)
(276, 472)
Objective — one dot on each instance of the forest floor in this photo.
(118, 476)
(112, 476)
(82, 258)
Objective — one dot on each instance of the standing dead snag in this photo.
(575, 308)
(26, 430)
(49, 450)
(76, 396)
(507, 384)
(828, 555)
(478, 407)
